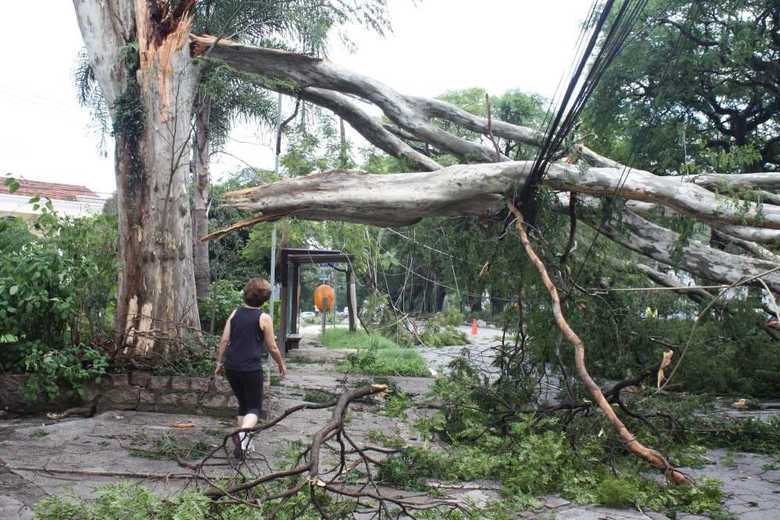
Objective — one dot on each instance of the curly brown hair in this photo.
(257, 291)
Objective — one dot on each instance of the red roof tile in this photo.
(51, 190)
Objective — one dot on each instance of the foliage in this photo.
(343, 338)
(224, 262)
(56, 297)
(386, 362)
(49, 370)
(224, 297)
(441, 330)
(537, 459)
(57, 285)
(169, 447)
(693, 90)
(195, 356)
(126, 501)
(513, 106)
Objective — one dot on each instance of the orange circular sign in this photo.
(322, 293)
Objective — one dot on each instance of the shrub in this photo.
(56, 295)
(49, 370)
(441, 330)
(224, 296)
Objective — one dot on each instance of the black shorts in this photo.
(248, 389)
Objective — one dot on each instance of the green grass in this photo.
(386, 362)
(343, 338)
(375, 354)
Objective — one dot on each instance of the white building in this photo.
(68, 199)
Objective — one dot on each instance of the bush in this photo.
(439, 332)
(224, 296)
(56, 287)
(126, 501)
(69, 367)
(536, 458)
(57, 291)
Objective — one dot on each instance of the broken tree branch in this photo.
(633, 445)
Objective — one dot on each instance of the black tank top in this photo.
(246, 341)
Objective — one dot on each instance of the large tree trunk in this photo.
(201, 194)
(140, 55)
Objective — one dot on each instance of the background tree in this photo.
(697, 88)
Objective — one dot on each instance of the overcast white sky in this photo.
(436, 45)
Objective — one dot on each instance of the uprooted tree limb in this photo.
(314, 472)
(471, 189)
(633, 445)
(478, 189)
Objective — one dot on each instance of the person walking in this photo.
(247, 331)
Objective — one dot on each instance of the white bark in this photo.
(479, 189)
(769, 181)
(663, 245)
(289, 71)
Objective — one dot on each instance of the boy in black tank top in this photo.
(247, 331)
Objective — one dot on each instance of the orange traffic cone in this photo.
(474, 327)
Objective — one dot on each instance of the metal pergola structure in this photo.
(289, 276)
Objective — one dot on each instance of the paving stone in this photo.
(118, 380)
(221, 384)
(159, 382)
(121, 397)
(168, 398)
(555, 502)
(180, 383)
(201, 384)
(190, 400)
(215, 401)
(140, 378)
(146, 397)
(10, 508)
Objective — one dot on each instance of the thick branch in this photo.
(297, 72)
(769, 181)
(312, 467)
(663, 245)
(478, 190)
(633, 445)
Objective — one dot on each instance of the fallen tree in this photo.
(481, 189)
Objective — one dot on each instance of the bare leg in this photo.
(250, 421)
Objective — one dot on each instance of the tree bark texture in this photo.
(142, 63)
(479, 189)
(201, 195)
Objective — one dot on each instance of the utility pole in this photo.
(277, 151)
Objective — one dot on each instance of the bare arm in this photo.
(223, 343)
(267, 326)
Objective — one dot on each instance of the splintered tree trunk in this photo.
(200, 217)
(140, 55)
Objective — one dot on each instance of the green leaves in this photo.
(12, 184)
(51, 370)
